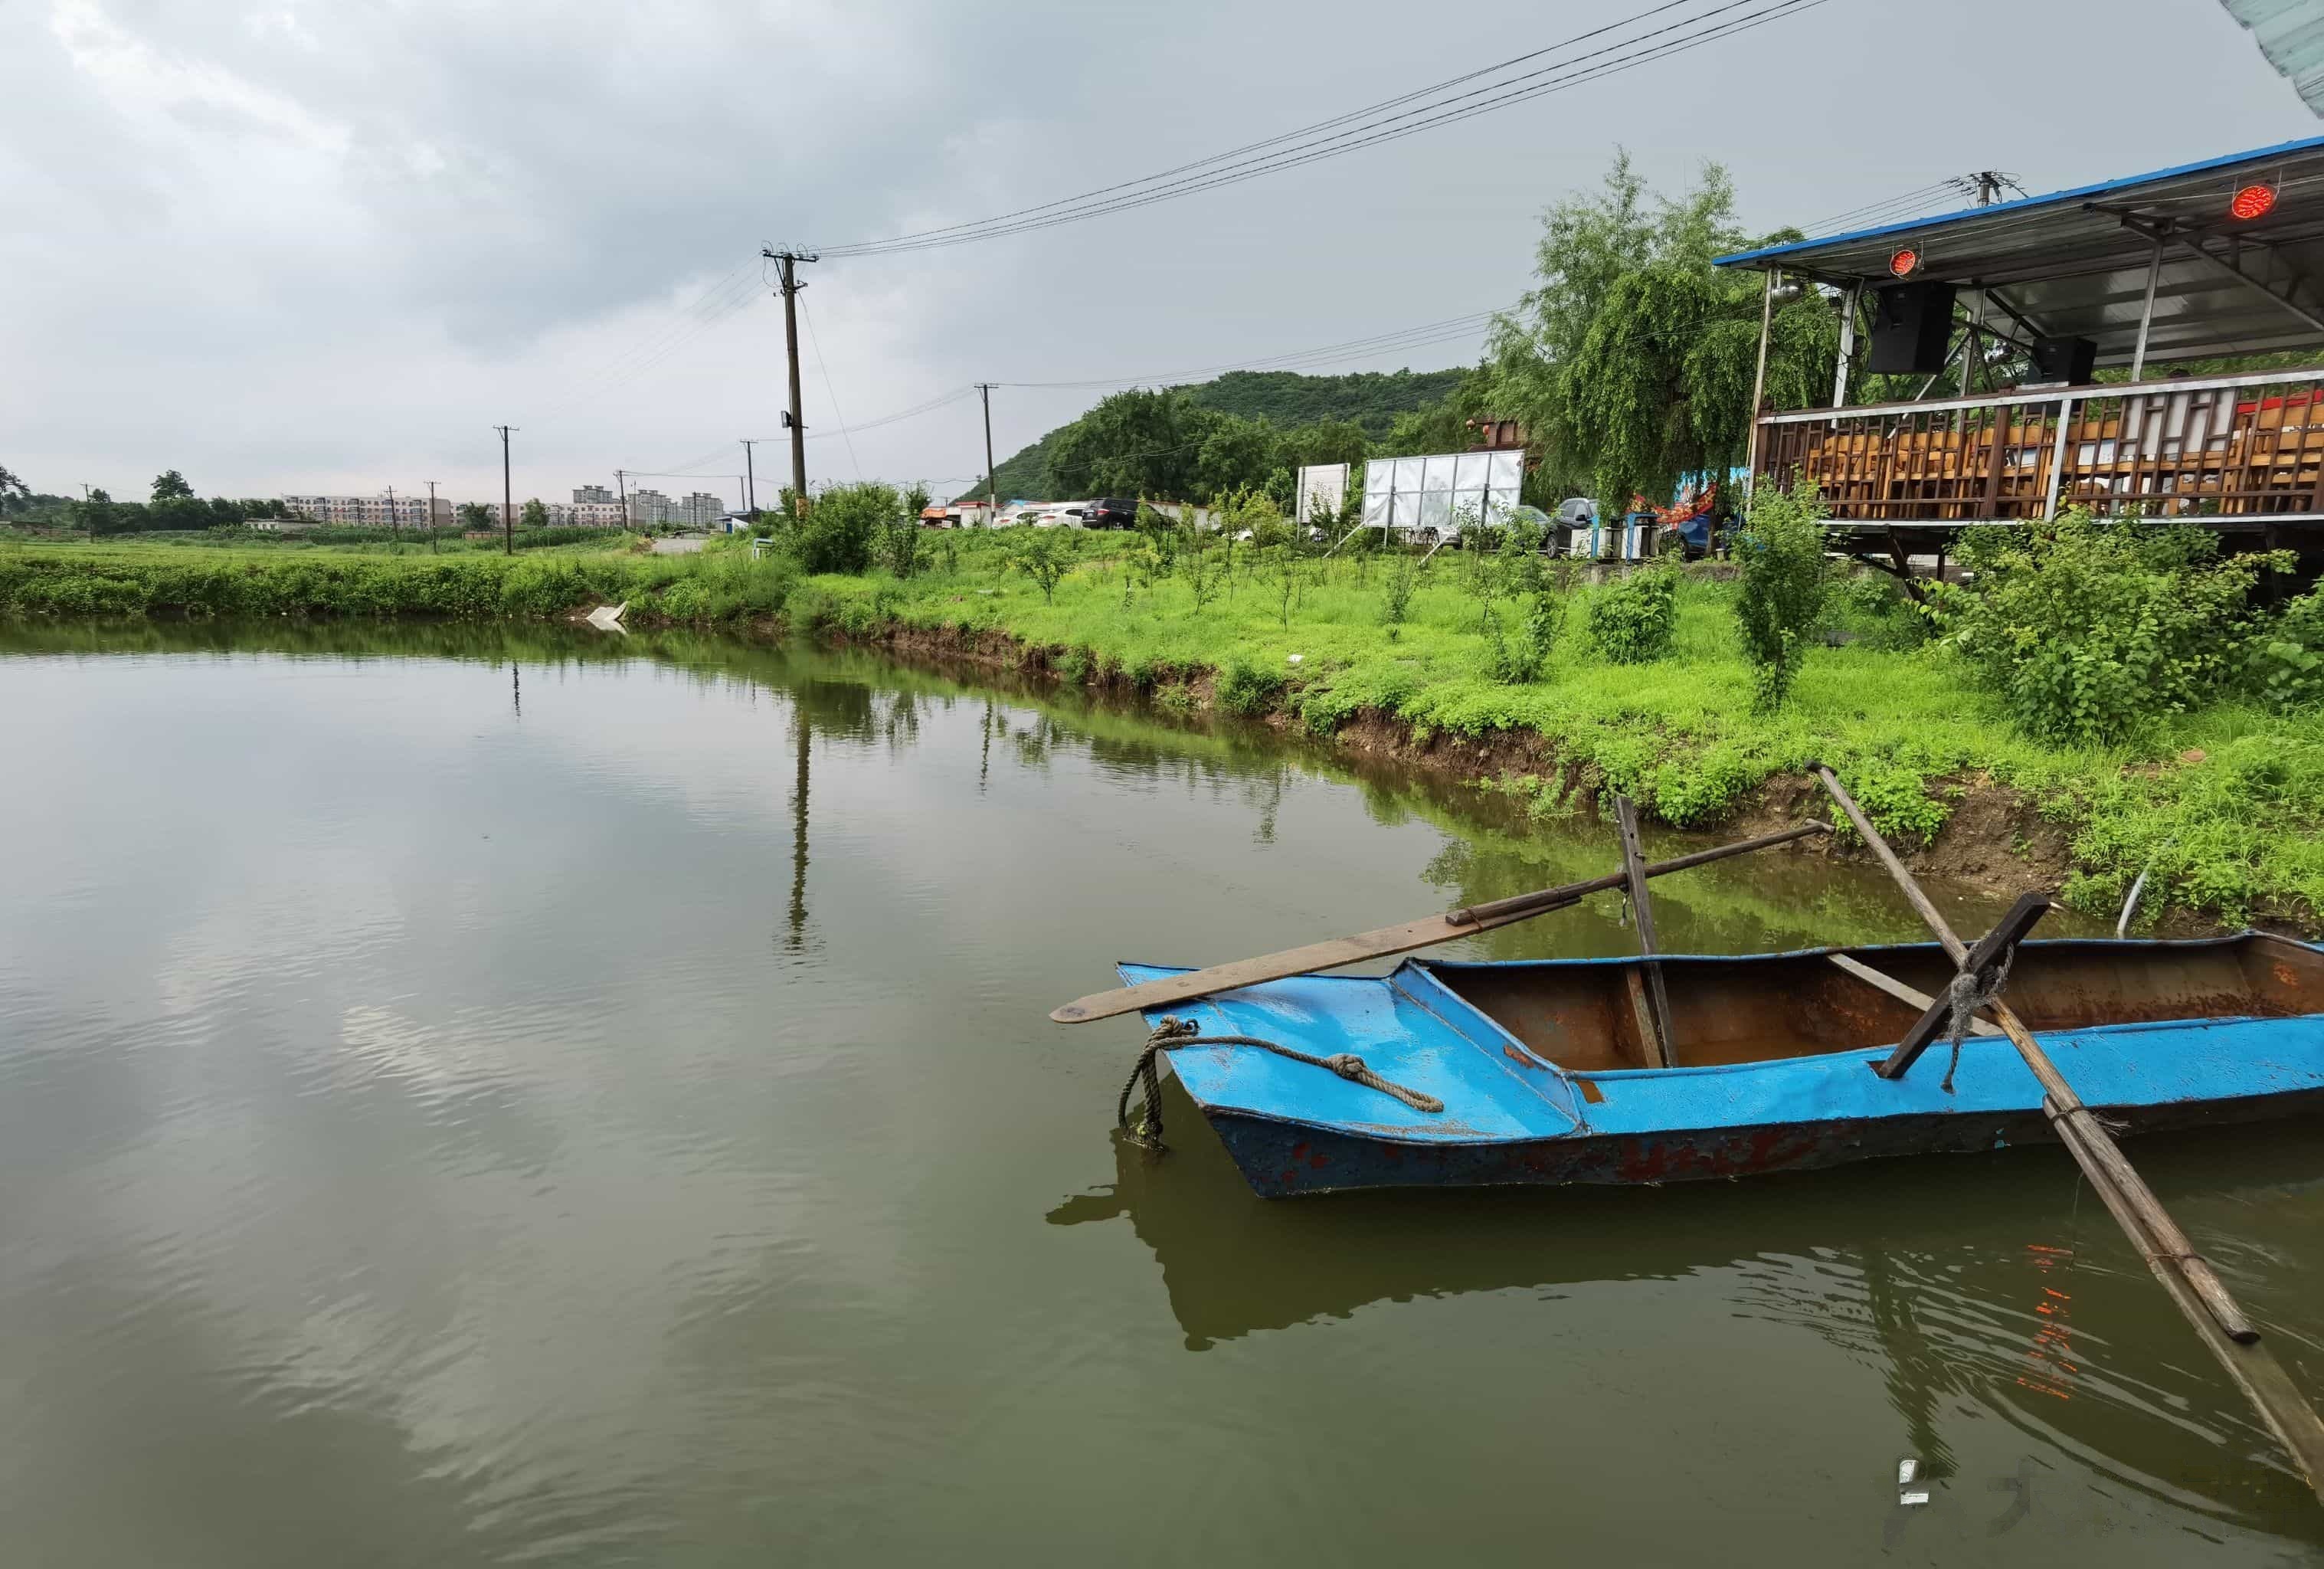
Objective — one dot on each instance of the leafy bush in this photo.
(2284, 660)
(1780, 552)
(1243, 688)
(1632, 622)
(1046, 555)
(2089, 631)
(1874, 607)
(837, 532)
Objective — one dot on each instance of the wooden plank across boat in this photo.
(1545, 1069)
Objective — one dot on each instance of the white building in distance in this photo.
(367, 512)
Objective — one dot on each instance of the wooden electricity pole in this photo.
(790, 287)
(508, 503)
(992, 484)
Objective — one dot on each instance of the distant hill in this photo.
(1371, 399)
(1285, 398)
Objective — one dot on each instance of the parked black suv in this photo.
(1111, 513)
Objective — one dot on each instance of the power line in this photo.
(1400, 99)
(829, 391)
(1689, 35)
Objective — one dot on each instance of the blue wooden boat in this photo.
(1540, 1067)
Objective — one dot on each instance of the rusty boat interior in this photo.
(1595, 1018)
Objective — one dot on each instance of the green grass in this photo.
(145, 579)
(2234, 833)
(2237, 834)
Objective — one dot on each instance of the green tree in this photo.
(1140, 442)
(836, 534)
(1780, 553)
(1441, 426)
(477, 516)
(1631, 361)
(96, 513)
(1235, 452)
(1044, 555)
(14, 493)
(1327, 441)
(534, 515)
(170, 486)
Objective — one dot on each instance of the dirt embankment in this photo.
(1993, 838)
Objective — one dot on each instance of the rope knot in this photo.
(1965, 995)
(1348, 1065)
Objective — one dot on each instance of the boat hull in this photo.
(1283, 1160)
(1530, 1073)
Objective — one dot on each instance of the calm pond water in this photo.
(473, 1097)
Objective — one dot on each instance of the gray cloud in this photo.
(308, 245)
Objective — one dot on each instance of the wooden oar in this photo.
(1395, 939)
(2189, 1280)
(1647, 989)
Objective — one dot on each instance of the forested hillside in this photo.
(1371, 400)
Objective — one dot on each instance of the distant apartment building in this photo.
(371, 511)
(593, 493)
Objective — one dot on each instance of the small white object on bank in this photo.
(608, 617)
(1293, 659)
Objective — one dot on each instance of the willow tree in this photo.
(1632, 359)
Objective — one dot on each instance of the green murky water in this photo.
(468, 1098)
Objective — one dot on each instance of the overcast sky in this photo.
(328, 247)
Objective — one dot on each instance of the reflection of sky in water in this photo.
(430, 1131)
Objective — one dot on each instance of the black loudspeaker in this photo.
(2071, 360)
(1911, 324)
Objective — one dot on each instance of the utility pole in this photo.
(991, 485)
(621, 482)
(390, 508)
(749, 480)
(508, 503)
(791, 286)
(431, 517)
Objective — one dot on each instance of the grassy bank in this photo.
(2224, 806)
(144, 578)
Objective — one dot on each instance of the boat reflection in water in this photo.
(1989, 1288)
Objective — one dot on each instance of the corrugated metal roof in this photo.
(2074, 263)
(2291, 34)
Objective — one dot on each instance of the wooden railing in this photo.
(2244, 449)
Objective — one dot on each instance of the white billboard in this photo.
(1443, 493)
(1322, 488)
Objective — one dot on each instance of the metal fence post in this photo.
(2058, 454)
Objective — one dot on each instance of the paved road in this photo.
(683, 544)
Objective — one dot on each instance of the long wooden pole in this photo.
(1658, 995)
(1395, 939)
(2201, 1297)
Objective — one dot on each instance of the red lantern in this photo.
(1904, 262)
(2253, 201)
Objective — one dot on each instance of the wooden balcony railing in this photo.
(2244, 449)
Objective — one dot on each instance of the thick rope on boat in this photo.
(1968, 996)
(1146, 1129)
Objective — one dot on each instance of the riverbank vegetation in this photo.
(1560, 687)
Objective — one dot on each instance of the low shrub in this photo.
(1632, 622)
(2090, 630)
(2284, 657)
(1243, 688)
